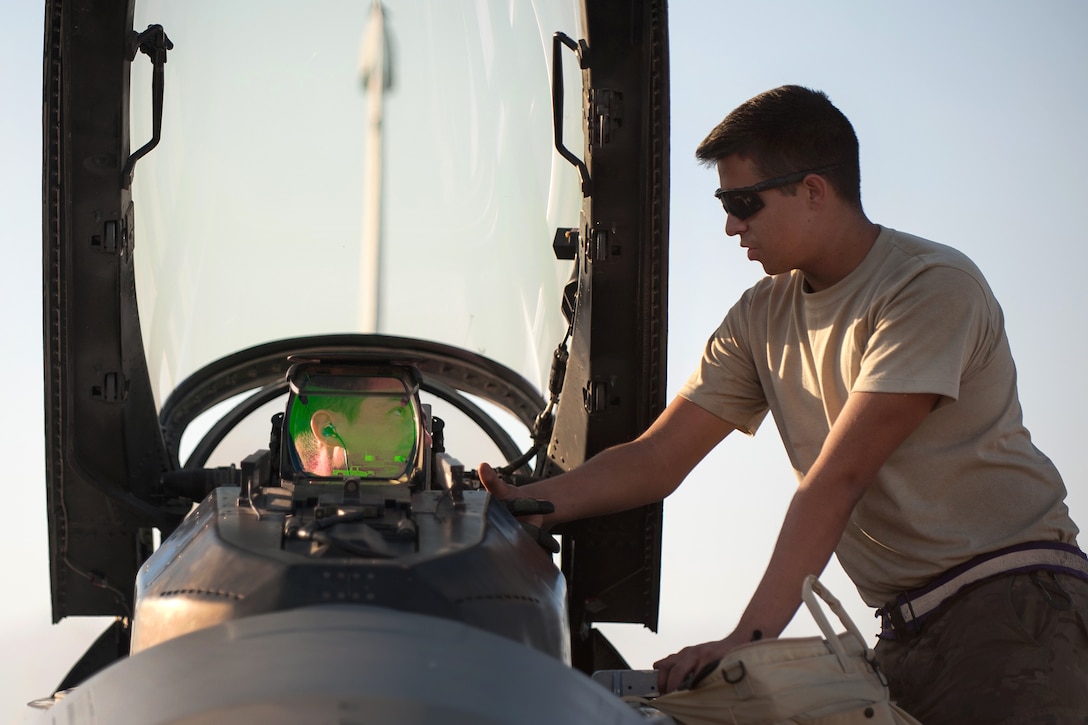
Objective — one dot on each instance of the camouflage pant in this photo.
(1011, 650)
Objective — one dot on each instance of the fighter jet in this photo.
(304, 266)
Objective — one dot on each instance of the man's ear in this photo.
(816, 189)
(324, 428)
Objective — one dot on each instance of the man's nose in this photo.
(733, 225)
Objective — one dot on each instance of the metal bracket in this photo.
(595, 396)
(112, 389)
(606, 115)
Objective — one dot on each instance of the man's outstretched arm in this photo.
(628, 475)
(870, 428)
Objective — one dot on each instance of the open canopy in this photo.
(231, 183)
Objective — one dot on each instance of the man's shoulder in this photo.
(925, 252)
(919, 266)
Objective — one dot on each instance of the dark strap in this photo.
(903, 615)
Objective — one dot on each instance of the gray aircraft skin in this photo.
(363, 588)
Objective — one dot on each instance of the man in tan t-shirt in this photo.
(884, 361)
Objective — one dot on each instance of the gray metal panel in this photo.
(343, 665)
(472, 563)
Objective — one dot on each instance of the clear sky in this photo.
(971, 119)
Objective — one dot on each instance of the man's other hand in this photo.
(682, 670)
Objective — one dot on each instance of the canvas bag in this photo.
(815, 680)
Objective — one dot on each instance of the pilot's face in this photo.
(379, 442)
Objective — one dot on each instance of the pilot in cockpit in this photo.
(369, 430)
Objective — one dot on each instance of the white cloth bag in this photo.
(814, 680)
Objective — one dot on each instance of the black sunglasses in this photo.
(745, 201)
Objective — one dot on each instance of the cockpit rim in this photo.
(447, 372)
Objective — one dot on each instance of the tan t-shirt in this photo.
(914, 317)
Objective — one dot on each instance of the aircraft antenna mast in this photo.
(375, 67)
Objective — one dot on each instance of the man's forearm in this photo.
(870, 428)
(633, 474)
(617, 479)
(811, 530)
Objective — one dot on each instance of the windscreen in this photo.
(338, 167)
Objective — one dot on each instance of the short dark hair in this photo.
(786, 130)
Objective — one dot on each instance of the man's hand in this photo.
(495, 486)
(508, 494)
(529, 512)
(683, 669)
